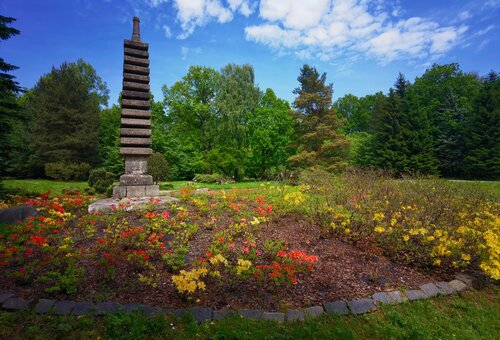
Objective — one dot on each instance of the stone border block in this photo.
(381, 297)
(395, 296)
(201, 314)
(82, 308)
(444, 288)
(44, 305)
(278, 317)
(415, 294)
(361, 306)
(458, 285)
(64, 307)
(314, 311)
(336, 307)
(429, 290)
(15, 303)
(251, 313)
(222, 313)
(5, 296)
(465, 278)
(107, 308)
(295, 314)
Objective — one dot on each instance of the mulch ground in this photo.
(343, 271)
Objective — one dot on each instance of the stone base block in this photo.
(136, 180)
(110, 205)
(129, 191)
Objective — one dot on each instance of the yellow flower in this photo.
(379, 229)
(466, 257)
(437, 262)
(347, 230)
(378, 217)
(406, 238)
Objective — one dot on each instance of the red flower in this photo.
(38, 240)
(281, 254)
(22, 270)
(28, 251)
(166, 215)
(14, 236)
(58, 207)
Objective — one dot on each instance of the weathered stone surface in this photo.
(136, 165)
(278, 317)
(133, 307)
(360, 306)
(15, 304)
(475, 280)
(128, 94)
(465, 278)
(136, 151)
(136, 69)
(135, 179)
(143, 132)
(429, 290)
(141, 61)
(314, 311)
(135, 141)
(201, 314)
(151, 310)
(83, 308)
(15, 214)
(107, 308)
(105, 206)
(415, 294)
(64, 307)
(396, 296)
(134, 86)
(221, 314)
(336, 307)
(444, 288)
(136, 104)
(5, 296)
(251, 313)
(178, 312)
(136, 44)
(152, 190)
(381, 297)
(43, 306)
(134, 113)
(457, 285)
(138, 78)
(136, 191)
(136, 122)
(295, 314)
(135, 52)
(118, 192)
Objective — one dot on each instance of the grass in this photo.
(474, 315)
(176, 185)
(39, 186)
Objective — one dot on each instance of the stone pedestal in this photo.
(135, 131)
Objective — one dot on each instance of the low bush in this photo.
(209, 178)
(67, 171)
(158, 167)
(101, 180)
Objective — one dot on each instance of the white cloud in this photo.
(197, 13)
(324, 29)
(168, 32)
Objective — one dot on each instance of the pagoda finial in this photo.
(136, 34)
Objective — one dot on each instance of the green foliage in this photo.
(320, 142)
(482, 132)
(65, 282)
(67, 171)
(158, 167)
(109, 140)
(100, 179)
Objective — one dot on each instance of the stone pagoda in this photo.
(135, 129)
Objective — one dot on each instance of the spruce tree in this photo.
(482, 132)
(320, 142)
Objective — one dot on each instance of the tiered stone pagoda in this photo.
(135, 131)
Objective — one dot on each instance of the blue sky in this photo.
(361, 44)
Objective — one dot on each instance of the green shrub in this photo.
(101, 180)
(67, 171)
(209, 178)
(158, 167)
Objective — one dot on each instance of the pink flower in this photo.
(257, 251)
(245, 250)
(231, 246)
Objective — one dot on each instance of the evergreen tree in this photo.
(320, 142)
(109, 140)
(482, 132)
(65, 110)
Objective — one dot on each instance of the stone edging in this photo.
(461, 282)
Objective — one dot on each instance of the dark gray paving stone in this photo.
(415, 294)
(133, 307)
(220, 314)
(44, 305)
(201, 314)
(295, 314)
(251, 313)
(151, 310)
(429, 290)
(16, 304)
(15, 214)
(314, 311)
(458, 285)
(178, 312)
(64, 307)
(278, 317)
(444, 288)
(107, 308)
(336, 307)
(360, 306)
(5, 296)
(84, 308)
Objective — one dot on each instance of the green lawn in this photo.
(474, 315)
(176, 185)
(38, 186)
